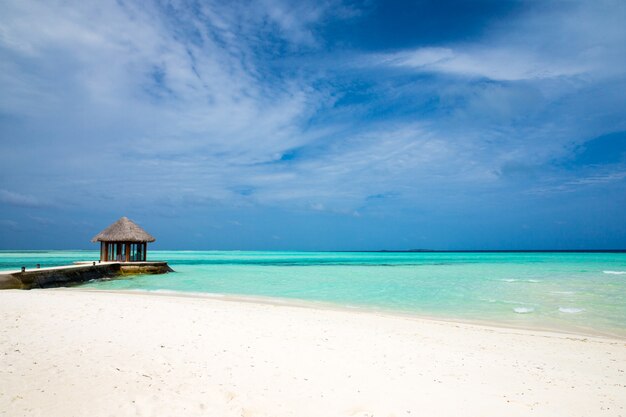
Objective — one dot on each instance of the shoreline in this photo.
(327, 305)
(75, 352)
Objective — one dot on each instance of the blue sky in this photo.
(314, 125)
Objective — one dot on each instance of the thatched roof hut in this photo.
(122, 241)
(123, 230)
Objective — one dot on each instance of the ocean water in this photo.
(576, 292)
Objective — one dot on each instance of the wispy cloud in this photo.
(185, 106)
(548, 41)
(500, 64)
(573, 185)
(19, 200)
(9, 224)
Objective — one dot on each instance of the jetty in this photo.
(123, 251)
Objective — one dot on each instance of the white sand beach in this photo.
(71, 352)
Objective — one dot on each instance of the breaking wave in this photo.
(571, 310)
(519, 280)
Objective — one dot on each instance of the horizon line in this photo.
(354, 250)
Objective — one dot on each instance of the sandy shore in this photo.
(79, 353)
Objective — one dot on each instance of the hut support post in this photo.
(127, 252)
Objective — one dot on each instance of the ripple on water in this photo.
(615, 272)
(523, 310)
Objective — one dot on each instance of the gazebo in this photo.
(123, 241)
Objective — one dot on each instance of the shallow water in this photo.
(579, 292)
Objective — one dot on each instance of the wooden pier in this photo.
(61, 276)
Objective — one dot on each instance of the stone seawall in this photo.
(145, 268)
(63, 276)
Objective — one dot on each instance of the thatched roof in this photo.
(123, 230)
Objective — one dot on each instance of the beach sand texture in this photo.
(71, 352)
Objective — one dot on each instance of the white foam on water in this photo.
(571, 310)
(162, 291)
(563, 292)
(523, 310)
(519, 280)
(615, 272)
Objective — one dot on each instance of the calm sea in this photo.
(579, 292)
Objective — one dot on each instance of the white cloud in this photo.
(19, 200)
(493, 63)
(130, 66)
(9, 224)
(551, 40)
(567, 185)
(195, 106)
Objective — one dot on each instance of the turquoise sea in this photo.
(577, 292)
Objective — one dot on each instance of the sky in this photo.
(314, 125)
